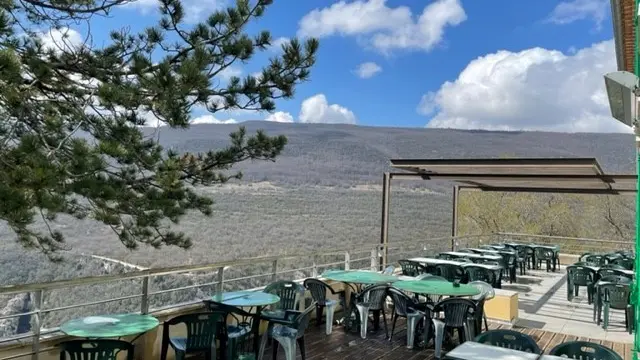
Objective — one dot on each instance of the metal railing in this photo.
(570, 245)
(360, 257)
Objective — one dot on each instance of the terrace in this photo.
(535, 303)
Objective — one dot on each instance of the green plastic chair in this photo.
(290, 294)
(598, 259)
(95, 349)
(234, 331)
(580, 276)
(584, 350)
(479, 273)
(201, 335)
(509, 339)
(288, 331)
(625, 262)
(616, 296)
(450, 272)
(412, 268)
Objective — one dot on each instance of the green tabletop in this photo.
(436, 288)
(109, 326)
(245, 298)
(358, 277)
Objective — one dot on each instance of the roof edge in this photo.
(616, 19)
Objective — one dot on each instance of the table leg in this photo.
(535, 263)
(256, 333)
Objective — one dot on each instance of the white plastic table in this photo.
(424, 260)
(474, 256)
(596, 268)
(497, 269)
(475, 351)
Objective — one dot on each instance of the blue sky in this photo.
(491, 64)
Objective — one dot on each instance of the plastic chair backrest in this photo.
(580, 275)
(617, 295)
(601, 260)
(543, 253)
(584, 350)
(508, 259)
(625, 262)
(612, 267)
(509, 339)
(616, 279)
(411, 268)
(374, 295)
(318, 290)
(486, 290)
(449, 271)
(401, 301)
(612, 272)
(201, 329)
(289, 293)
(479, 273)
(95, 349)
(456, 311)
(583, 256)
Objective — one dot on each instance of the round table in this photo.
(245, 298)
(442, 288)
(109, 326)
(257, 299)
(359, 277)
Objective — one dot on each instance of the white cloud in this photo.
(367, 70)
(276, 45)
(61, 39)
(210, 119)
(228, 72)
(280, 116)
(382, 27)
(195, 10)
(534, 89)
(316, 109)
(567, 12)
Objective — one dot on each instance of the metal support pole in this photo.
(144, 299)
(636, 290)
(384, 226)
(636, 341)
(274, 270)
(454, 217)
(220, 284)
(37, 323)
(347, 260)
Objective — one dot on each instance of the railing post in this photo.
(314, 269)
(220, 279)
(274, 270)
(144, 299)
(37, 324)
(347, 260)
(374, 259)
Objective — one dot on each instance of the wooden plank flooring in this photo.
(340, 345)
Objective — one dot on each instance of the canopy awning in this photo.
(573, 175)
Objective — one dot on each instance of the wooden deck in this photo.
(340, 345)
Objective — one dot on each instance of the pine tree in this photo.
(70, 141)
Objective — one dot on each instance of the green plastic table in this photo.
(257, 299)
(109, 326)
(359, 277)
(245, 298)
(443, 288)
